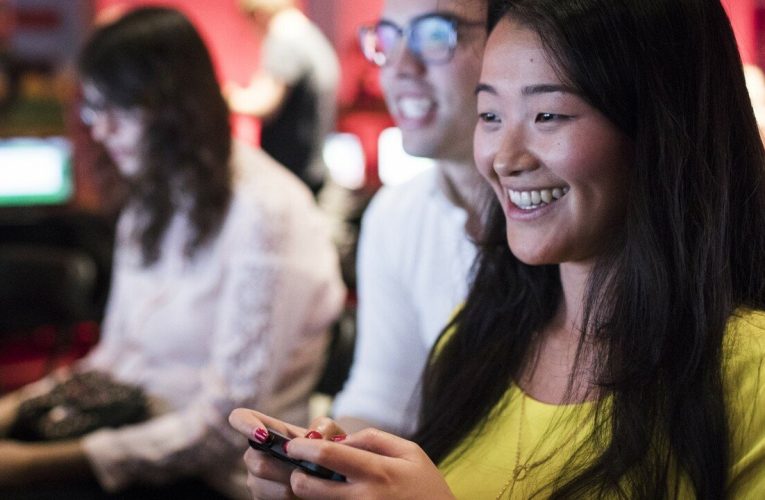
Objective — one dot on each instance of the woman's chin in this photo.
(531, 256)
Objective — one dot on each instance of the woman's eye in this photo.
(488, 117)
(548, 117)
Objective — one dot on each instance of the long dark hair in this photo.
(154, 60)
(691, 250)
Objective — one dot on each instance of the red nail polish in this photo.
(339, 437)
(260, 435)
(314, 435)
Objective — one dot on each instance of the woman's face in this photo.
(557, 165)
(119, 130)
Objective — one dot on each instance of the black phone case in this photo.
(274, 446)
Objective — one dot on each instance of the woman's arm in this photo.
(25, 463)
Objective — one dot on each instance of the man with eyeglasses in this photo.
(415, 250)
(416, 244)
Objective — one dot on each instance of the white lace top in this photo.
(241, 324)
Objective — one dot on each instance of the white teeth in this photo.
(528, 200)
(415, 107)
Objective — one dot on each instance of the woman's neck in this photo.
(574, 278)
(553, 373)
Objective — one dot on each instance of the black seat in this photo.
(340, 353)
(44, 285)
(45, 294)
(61, 233)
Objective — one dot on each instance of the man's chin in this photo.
(416, 146)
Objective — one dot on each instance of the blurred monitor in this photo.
(35, 171)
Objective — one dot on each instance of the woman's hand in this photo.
(376, 465)
(267, 477)
(9, 407)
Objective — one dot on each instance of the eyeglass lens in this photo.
(432, 38)
(91, 112)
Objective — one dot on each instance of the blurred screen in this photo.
(35, 171)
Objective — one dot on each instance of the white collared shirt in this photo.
(413, 270)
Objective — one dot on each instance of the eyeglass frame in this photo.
(90, 112)
(405, 34)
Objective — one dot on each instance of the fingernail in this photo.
(260, 435)
(339, 437)
(284, 446)
(314, 435)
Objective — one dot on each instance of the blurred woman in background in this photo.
(225, 278)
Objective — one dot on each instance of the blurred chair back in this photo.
(47, 302)
(340, 353)
(44, 285)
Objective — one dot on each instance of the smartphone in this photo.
(275, 446)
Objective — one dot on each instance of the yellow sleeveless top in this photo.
(483, 465)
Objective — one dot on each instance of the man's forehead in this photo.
(402, 11)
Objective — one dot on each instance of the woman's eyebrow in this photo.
(530, 89)
(547, 88)
(485, 87)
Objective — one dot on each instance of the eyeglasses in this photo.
(89, 113)
(430, 37)
(92, 112)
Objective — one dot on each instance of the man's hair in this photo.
(667, 73)
(152, 59)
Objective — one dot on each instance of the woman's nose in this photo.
(100, 127)
(513, 156)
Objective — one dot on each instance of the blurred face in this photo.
(119, 130)
(557, 165)
(433, 102)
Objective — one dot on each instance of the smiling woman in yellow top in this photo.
(630, 227)
(613, 341)
(628, 238)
